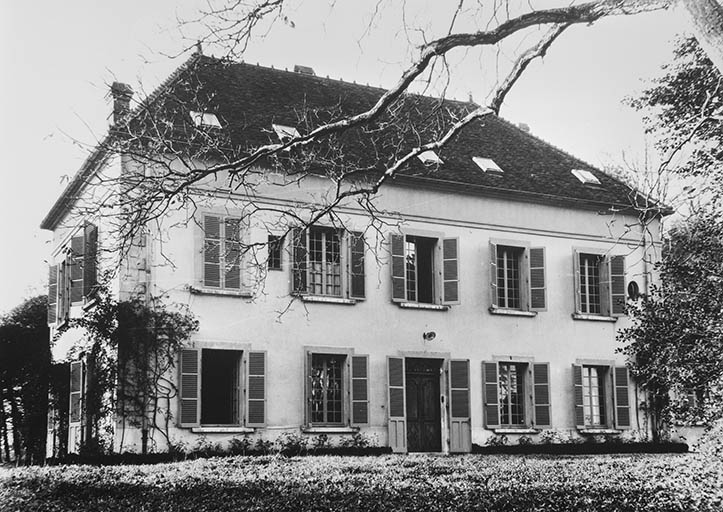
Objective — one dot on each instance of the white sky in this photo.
(59, 57)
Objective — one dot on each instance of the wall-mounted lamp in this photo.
(429, 336)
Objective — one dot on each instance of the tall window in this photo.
(220, 387)
(326, 388)
(508, 276)
(275, 243)
(222, 252)
(512, 393)
(324, 262)
(593, 395)
(590, 283)
(419, 268)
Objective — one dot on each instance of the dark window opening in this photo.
(419, 256)
(220, 387)
(275, 244)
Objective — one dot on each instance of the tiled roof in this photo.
(248, 99)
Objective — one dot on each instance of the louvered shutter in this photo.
(356, 266)
(576, 276)
(450, 271)
(360, 390)
(399, 291)
(76, 268)
(190, 385)
(490, 386)
(617, 285)
(52, 294)
(460, 432)
(493, 275)
(397, 405)
(90, 260)
(577, 396)
(212, 251)
(232, 254)
(256, 390)
(538, 299)
(76, 391)
(605, 288)
(298, 263)
(622, 397)
(541, 394)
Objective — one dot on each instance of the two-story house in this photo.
(480, 295)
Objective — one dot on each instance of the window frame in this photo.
(346, 382)
(238, 399)
(526, 393)
(608, 280)
(616, 387)
(524, 252)
(245, 276)
(275, 251)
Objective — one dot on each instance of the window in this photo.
(284, 132)
(220, 387)
(517, 276)
(585, 177)
(487, 165)
(222, 252)
(328, 262)
(429, 157)
(424, 269)
(326, 388)
(599, 284)
(593, 395)
(275, 244)
(601, 396)
(205, 119)
(516, 394)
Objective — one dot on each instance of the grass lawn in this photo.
(416, 482)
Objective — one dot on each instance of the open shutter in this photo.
(360, 390)
(617, 285)
(490, 385)
(541, 394)
(399, 291)
(76, 269)
(298, 261)
(212, 251)
(90, 260)
(232, 254)
(189, 392)
(64, 288)
(450, 271)
(52, 294)
(356, 266)
(76, 391)
(576, 283)
(397, 408)
(603, 266)
(493, 274)
(622, 397)
(256, 390)
(538, 297)
(577, 398)
(460, 432)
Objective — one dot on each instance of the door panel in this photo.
(424, 424)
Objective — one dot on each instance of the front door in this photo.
(424, 422)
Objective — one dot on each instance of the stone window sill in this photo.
(324, 299)
(421, 305)
(516, 431)
(513, 312)
(225, 293)
(219, 429)
(330, 430)
(594, 318)
(599, 431)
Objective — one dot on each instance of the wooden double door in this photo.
(424, 420)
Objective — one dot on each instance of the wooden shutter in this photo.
(576, 277)
(356, 265)
(90, 260)
(450, 271)
(617, 285)
(360, 390)
(621, 381)
(64, 288)
(493, 274)
(460, 432)
(76, 391)
(76, 268)
(490, 386)
(397, 408)
(190, 388)
(212, 251)
(538, 299)
(298, 261)
(52, 294)
(399, 286)
(256, 390)
(232, 254)
(577, 396)
(541, 394)
(603, 265)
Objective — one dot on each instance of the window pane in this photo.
(508, 276)
(590, 283)
(593, 397)
(326, 388)
(512, 393)
(410, 257)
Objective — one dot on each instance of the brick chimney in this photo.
(122, 94)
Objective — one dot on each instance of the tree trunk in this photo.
(17, 424)
(706, 17)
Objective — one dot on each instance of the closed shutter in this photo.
(541, 394)
(298, 263)
(450, 271)
(490, 386)
(617, 285)
(397, 407)
(76, 391)
(538, 297)
(622, 397)
(579, 412)
(76, 268)
(493, 274)
(212, 251)
(460, 432)
(232, 254)
(356, 266)
(190, 384)
(256, 390)
(576, 283)
(52, 294)
(360, 390)
(399, 290)
(90, 260)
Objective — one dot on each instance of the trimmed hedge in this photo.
(585, 448)
(405, 483)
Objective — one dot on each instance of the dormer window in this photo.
(284, 132)
(205, 119)
(429, 157)
(487, 165)
(585, 177)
